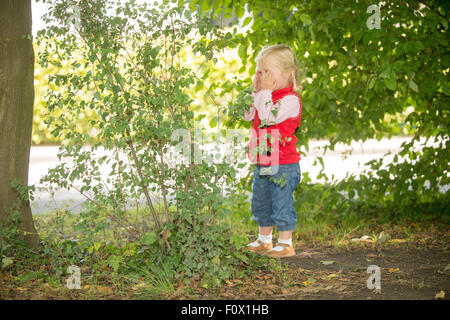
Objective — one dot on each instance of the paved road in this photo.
(336, 164)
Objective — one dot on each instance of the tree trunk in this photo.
(16, 110)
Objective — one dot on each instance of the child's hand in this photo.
(257, 81)
(268, 82)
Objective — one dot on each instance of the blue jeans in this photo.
(272, 200)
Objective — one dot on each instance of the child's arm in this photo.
(250, 114)
(288, 107)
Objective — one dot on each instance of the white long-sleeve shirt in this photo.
(287, 107)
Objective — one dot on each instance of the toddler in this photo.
(276, 114)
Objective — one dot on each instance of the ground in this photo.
(410, 268)
(408, 271)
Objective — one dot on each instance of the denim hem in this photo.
(266, 225)
(289, 227)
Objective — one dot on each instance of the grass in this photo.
(159, 282)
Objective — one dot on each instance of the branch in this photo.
(120, 182)
(433, 9)
(141, 176)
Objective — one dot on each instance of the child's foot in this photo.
(260, 247)
(282, 250)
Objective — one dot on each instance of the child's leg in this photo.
(265, 231)
(286, 235)
(283, 211)
(284, 241)
(261, 205)
(264, 239)
(262, 211)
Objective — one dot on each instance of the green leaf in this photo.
(200, 117)
(372, 82)
(242, 51)
(306, 19)
(115, 261)
(198, 86)
(213, 122)
(216, 260)
(419, 45)
(388, 72)
(413, 85)
(247, 21)
(240, 256)
(97, 95)
(391, 84)
(239, 11)
(149, 238)
(238, 240)
(446, 90)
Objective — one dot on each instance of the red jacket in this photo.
(273, 153)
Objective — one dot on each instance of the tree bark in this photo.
(16, 110)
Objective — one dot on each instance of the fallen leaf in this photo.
(305, 254)
(371, 255)
(104, 290)
(139, 286)
(397, 240)
(329, 287)
(310, 290)
(363, 238)
(305, 283)
(311, 280)
(382, 237)
(232, 283)
(271, 286)
(447, 269)
(391, 270)
(326, 262)
(269, 291)
(440, 295)
(332, 275)
(6, 261)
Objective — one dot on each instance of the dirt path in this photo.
(407, 271)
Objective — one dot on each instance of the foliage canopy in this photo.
(361, 82)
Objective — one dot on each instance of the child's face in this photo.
(267, 65)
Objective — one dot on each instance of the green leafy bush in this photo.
(126, 68)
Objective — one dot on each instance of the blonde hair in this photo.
(285, 60)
